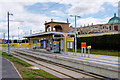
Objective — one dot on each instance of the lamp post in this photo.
(8, 31)
(18, 33)
(75, 32)
(30, 32)
(4, 38)
(12, 39)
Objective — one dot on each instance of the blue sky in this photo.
(108, 11)
(46, 8)
(35, 13)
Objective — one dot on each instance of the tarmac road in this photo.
(7, 70)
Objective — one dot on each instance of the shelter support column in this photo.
(51, 28)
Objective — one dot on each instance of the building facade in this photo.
(56, 26)
(112, 25)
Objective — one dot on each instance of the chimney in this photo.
(92, 24)
(51, 20)
(45, 21)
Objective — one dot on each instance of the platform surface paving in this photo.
(98, 59)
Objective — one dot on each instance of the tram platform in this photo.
(100, 59)
(100, 64)
(97, 59)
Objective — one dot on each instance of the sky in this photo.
(32, 14)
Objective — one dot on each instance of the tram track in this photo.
(31, 61)
(68, 76)
(97, 76)
(21, 54)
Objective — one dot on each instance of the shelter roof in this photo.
(47, 33)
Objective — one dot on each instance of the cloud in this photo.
(85, 7)
(89, 21)
(36, 21)
(58, 13)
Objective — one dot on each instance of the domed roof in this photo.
(114, 19)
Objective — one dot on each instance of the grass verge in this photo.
(14, 59)
(26, 72)
(101, 52)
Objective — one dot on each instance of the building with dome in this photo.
(114, 19)
(113, 25)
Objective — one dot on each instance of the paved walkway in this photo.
(7, 70)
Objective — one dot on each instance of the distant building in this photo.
(112, 25)
(114, 19)
(2, 41)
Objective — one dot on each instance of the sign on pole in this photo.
(83, 45)
(83, 48)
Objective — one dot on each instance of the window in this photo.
(67, 44)
(71, 45)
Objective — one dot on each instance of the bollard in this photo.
(88, 53)
(84, 52)
(88, 47)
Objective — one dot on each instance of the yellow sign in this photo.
(89, 47)
(55, 41)
(70, 39)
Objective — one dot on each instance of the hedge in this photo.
(105, 42)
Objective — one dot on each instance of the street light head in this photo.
(10, 14)
(71, 15)
(79, 16)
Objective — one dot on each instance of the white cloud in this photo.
(36, 21)
(89, 6)
(89, 21)
(58, 13)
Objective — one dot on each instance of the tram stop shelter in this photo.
(52, 41)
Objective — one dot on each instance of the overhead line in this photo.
(53, 5)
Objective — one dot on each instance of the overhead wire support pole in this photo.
(75, 33)
(65, 43)
(67, 32)
(75, 37)
(4, 39)
(18, 33)
(8, 32)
